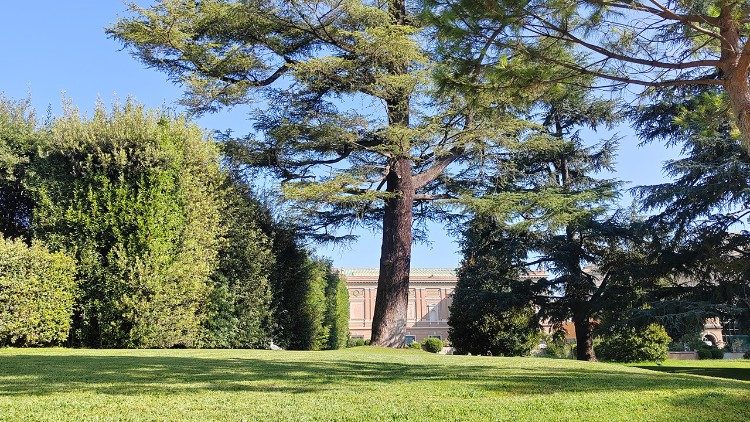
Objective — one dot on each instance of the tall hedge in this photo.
(19, 139)
(134, 196)
(37, 290)
(336, 320)
(240, 303)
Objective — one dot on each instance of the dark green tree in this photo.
(493, 306)
(336, 319)
(703, 255)
(383, 165)
(240, 314)
(569, 215)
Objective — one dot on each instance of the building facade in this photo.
(430, 297)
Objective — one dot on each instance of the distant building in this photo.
(430, 297)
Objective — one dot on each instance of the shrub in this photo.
(336, 319)
(557, 346)
(36, 295)
(627, 344)
(134, 196)
(355, 342)
(432, 345)
(709, 352)
(746, 355)
(415, 345)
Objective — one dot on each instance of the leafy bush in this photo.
(134, 196)
(557, 346)
(432, 345)
(36, 295)
(746, 355)
(336, 319)
(415, 345)
(627, 344)
(709, 352)
(355, 342)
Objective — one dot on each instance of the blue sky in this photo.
(56, 49)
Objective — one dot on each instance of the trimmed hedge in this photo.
(37, 291)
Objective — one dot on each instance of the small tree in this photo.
(37, 291)
(492, 309)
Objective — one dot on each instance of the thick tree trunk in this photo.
(738, 90)
(584, 337)
(391, 302)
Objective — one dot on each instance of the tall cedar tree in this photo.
(381, 166)
(566, 213)
(649, 44)
(703, 257)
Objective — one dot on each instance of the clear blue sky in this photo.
(52, 49)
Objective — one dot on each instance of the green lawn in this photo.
(353, 384)
(738, 369)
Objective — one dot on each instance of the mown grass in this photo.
(738, 369)
(353, 384)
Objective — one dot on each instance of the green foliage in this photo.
(627, 344)
(356, 342)
(19, 139)
(134, 197)
(746, 355)
(432, 345)
(336, 320)
(492, 310)
(557, 346)
(37, 290)
(415, 345)
(239, 310)
(709, 352)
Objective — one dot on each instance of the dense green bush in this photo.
(415, 345)
(627, 344)
(135, 197)
(709, 352)
(336, 319)
(356, 342)
(432, 345)
(37, 290)
(239, 309)
(19, 140)
(746, 355)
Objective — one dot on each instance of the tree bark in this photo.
(391, 303)
(584, 337)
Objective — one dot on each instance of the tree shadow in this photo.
(742, 374)
(31, 374)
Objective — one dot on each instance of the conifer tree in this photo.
(382, 163)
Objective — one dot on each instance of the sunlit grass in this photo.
(352, 384)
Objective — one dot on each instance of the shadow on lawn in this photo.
(729, 373)
(124, 375)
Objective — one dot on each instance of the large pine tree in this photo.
(348, 119)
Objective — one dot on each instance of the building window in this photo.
(437, 337)
(409, 340)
